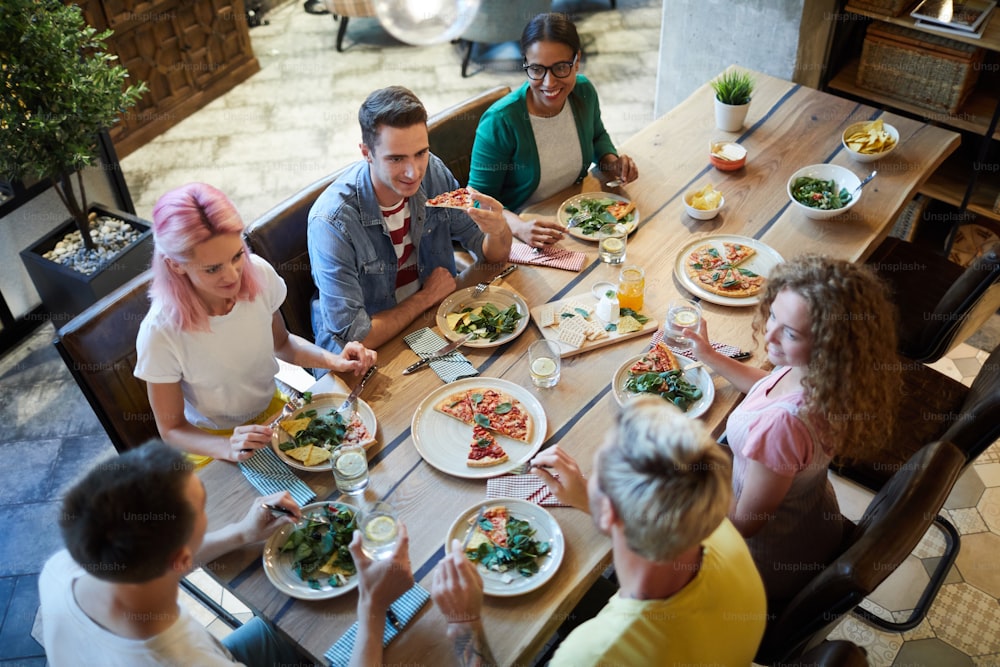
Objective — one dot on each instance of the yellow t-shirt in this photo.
(274, 407)
(717, 619)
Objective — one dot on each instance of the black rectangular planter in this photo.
(66, 293)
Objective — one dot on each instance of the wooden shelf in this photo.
(949, 182)
(990, 39)
(974, 116)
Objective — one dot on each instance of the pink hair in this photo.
(182, 219)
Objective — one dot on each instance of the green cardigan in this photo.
(505, 158)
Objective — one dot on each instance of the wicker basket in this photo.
(885, 7)
(929, 71)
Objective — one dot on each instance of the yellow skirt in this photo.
(277, 403)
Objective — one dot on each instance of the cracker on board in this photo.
(546, 315)
(572, 337)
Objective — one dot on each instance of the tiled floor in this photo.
(296, 121)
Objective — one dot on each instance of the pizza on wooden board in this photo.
(720, 273)
(460, 198)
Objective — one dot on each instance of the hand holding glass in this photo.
(682, 314)
(379, 525)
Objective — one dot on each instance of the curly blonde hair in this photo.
(852, 380)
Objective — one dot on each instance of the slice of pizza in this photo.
(502, 413)
(736, 253)
(620, 209)
(460, 198)
(660, 359)
(485, 450)
(458, 406)
(497, 517)
(704, 258)
(732, 281)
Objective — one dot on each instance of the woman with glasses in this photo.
(543, 137)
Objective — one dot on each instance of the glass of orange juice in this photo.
(631, 287)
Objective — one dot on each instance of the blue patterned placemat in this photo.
(269, 474)
(404, 609)
(451, 367)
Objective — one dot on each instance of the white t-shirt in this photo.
(559, 155)
(72, 638)
(227, 373)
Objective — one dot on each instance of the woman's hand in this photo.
(700, 344)
(562, 475)
(246, 440)
(457, 588)
(621, 166)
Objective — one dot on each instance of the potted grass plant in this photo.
(733, 90)
(60, 89)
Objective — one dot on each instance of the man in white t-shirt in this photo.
(133, 527)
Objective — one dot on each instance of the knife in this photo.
(450, 347)
(357, 389)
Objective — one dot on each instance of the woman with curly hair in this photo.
(829, 328)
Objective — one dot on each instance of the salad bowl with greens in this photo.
(823, 191)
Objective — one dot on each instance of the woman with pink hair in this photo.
(207, 347)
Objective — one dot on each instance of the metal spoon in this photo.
(862, 184)
(614, 184)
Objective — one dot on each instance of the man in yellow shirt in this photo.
(690, 592)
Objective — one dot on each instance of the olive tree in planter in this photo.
(59, 88)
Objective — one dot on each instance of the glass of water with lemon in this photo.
(611, 243)
(544, 362)
(681, 314)
(379, 526)
(350, 469)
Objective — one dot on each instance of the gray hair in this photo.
(667, 479)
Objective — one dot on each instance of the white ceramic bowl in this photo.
(699, 214)
(869, 157)
(842, 177)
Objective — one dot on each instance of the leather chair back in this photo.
(279, 236)
(452, 132)
(98, 346)
(891, 527)
(977, 425)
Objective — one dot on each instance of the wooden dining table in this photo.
(788, 127)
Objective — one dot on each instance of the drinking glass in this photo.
(544, 362)
(379, 525)
(631, 287)
(681, 314)
(350, 469)
(611, 243)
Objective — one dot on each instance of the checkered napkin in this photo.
(524, 487)
(453, 366)
(728, 350)
(560, 258)
(269, 474)
(404, 609)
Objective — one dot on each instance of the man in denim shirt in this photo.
(379, 256)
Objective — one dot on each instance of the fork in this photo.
(481, 287)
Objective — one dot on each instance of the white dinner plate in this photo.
(444, 441)
(323, 403)
(700, 377)
(498, 296)
(631, 220)
(546, 530)
(279, 570)
(761, 263)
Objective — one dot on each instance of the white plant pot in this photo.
(730, 117)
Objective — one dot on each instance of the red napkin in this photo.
(524, 487)
(554, 256)
(728, 350)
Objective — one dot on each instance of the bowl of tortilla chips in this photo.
(704, 203)
(870, 140)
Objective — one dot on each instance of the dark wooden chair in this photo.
(891, 527)
(279, 236)
(452, 132)
(940, 303)
(98, 347)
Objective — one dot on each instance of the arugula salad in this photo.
(329, 429)
(819, 193)
(485, 322)
(521, 552)
(669, 385)
(593, 214)
(319, 549)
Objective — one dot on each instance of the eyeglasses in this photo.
(559, 70)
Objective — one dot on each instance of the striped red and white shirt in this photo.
(397, 219)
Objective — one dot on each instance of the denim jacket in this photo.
(351, 255)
